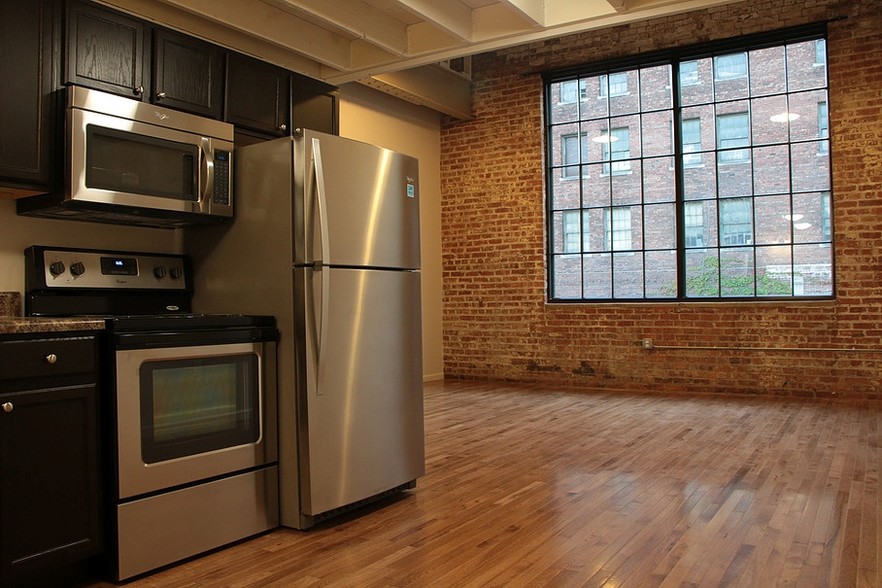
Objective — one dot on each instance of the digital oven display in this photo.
(119, 266)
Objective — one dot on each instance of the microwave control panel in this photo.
(221, 193)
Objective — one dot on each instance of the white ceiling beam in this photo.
(275, 26)
(449, 15)
(619, 5)
(354, 18)
(530, 10)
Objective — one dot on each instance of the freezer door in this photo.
(361, 402)
(360, 204)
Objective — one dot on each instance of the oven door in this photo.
(187, 414)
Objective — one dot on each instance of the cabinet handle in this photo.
(51, 359)
(160, 95)
(8, 407)
(138, 91)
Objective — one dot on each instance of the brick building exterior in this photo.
(497, 320)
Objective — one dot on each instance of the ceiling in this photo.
(393, 45)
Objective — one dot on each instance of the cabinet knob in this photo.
(283, 127)
(8, 407)
(160, 95)
(138, 91)
(51, 359)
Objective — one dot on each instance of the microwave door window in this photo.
(119, 161)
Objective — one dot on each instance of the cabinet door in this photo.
(26, 105)
(49, 482)
(315, 105)
(258, 96)
(188, 74)
(105, 50)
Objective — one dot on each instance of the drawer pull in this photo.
(51, 359)
(8, 407)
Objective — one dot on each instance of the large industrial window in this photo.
(696, 174)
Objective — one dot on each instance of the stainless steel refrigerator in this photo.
(326, 238)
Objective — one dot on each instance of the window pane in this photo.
(810, 106)
(655, 84)
(737, 272)
(660, 228)
(730, 77)
(813, 266)
(658, 133)
(811, 218)
(596, 188)
(770, 117)
(811, 167)
(767, 73)
(597, 276)
(774, 271)
(736, 222)
(661, 274)
(563, 103)
(658, 180)
(696, 82)
(803, 70)
(771, 170)
(702, 273)
(772, 219)
(627, 275)
(567, 274)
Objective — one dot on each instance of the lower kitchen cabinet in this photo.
(50, 491)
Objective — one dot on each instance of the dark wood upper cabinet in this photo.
(258, 96)
(188, 74)
(316, 105)
(106, 50)
(27, 75)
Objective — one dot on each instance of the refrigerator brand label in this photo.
(411, 188)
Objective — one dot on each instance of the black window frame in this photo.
(674, 57)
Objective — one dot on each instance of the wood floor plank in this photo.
(529, 486)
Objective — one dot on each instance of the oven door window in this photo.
(120, 161)
(193, 406)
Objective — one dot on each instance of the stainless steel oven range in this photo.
(191, 403)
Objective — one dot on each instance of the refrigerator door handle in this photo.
(320, 200)
(317, 313)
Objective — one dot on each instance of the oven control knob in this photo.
(159, 272)
(77, 268)
(175, 272)
(56, 268)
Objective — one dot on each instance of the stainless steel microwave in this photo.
(131, 162)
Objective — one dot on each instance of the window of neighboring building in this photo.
(727, 67)
(733, 130)
(704, 174)
(615, 147)
(688, 73)
(617, 85)
(691, 138)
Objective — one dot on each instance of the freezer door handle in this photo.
(321, 202)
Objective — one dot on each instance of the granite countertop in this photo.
(12, 321)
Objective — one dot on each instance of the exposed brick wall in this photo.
(497, 323)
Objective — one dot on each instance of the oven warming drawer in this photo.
(151, 533)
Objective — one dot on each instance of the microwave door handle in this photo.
(206, 175)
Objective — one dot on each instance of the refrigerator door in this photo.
(361, 396)
(360, 204)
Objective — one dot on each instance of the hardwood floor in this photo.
(528, 487)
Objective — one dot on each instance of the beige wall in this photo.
(373, 117)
